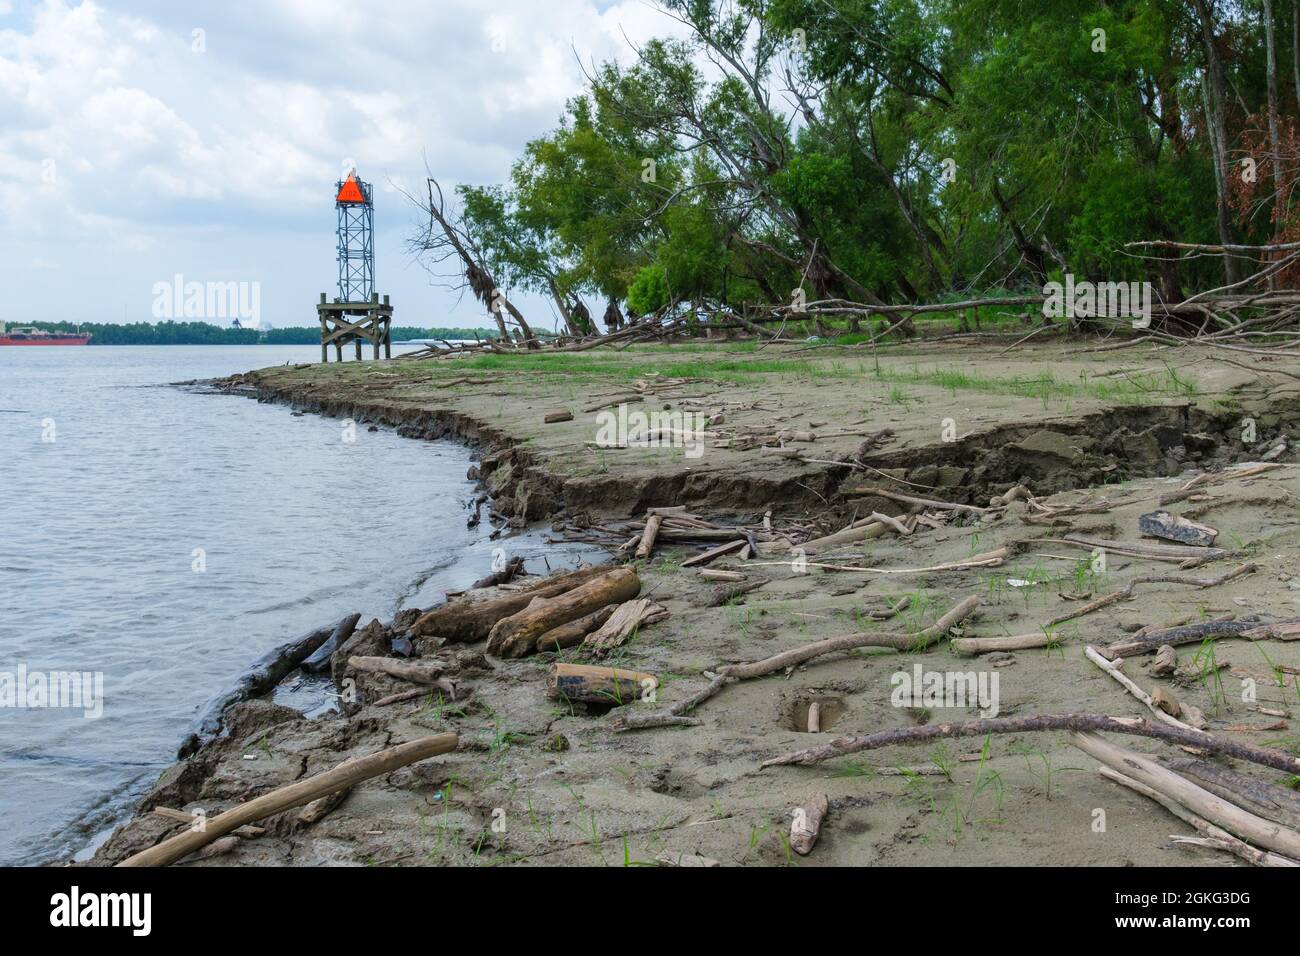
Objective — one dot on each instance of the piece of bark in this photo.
(713, 553)
(1166, 661)
(522, 629)
(322, 807)
(597, 685)
(724, 593)
(814, 718)
(1256, 830)
(1171, 527)
(1193, 716)
(1166, 701)
(558, 416)
(347, 774)
(467, 621)
(627, 617)
(647, 545)
(1138, 726)
(807, 823)
(319, 660)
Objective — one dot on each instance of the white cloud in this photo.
(116, 136)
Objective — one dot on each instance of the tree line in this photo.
(894, 151)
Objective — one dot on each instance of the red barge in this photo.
(34, 336)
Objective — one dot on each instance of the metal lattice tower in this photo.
(356, 250)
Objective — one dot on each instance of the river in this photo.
(161, 538)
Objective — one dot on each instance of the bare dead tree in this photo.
(442, 239)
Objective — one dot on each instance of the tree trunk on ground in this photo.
(468, 621)
(522, 629)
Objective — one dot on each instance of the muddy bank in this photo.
(967, 434)
(545, 781)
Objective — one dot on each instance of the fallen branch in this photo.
(1137, 726)
(1261, 832)
(1127, 591)
(1123, 680)
(1194, 633)
(902, 642)
(348, 774)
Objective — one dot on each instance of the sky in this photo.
(141, 141)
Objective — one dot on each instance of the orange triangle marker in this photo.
(351, 191)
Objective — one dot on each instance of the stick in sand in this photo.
(1138, 726)
(347, 774)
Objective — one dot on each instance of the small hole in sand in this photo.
(828, 710)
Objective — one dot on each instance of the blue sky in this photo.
(140, 140)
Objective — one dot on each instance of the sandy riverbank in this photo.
(565, 788)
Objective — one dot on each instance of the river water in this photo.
(161, 539)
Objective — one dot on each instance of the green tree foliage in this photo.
(896, 150)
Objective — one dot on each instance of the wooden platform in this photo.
(343, 322)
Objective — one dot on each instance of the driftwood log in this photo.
(1262, 798)
(347, 774)
(522, 629)
(319, 661)
(262, 677)
(571, 634)
(597, 685)
(467, 621)
(1215, 837)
